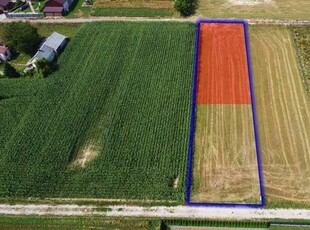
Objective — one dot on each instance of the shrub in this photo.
(185, 7)
(10, 71)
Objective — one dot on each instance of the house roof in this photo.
(49, 47)
(3, 49)
(54, 3)
(4, 2)
(43, 52)
(55, 40)
(49, 9)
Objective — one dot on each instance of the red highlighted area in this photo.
(222, 65)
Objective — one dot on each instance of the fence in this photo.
(25, 15)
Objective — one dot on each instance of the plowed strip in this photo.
(222, 65)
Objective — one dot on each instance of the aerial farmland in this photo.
(164, 121)
(112, 129)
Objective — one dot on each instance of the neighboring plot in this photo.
(283, 116)
(112, 122)
(225, 166)
(262, 9)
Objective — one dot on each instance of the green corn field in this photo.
(112, 122)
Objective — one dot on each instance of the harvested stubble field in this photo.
(271, 9)
(225, 164)
(283, 116)
(112, 122)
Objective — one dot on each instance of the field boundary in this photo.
(193, 116)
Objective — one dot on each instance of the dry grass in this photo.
(273, 9)
(283, 115)
(225, 164)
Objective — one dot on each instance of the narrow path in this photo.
(31, 7)
(158, 211)
(189, 19)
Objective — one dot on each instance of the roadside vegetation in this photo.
(125, 223)
(112, 122)
(301, 35)
(79, 223)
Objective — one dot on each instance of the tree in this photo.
(42, 70)
(183, 6)
(21, 36)
(10, 71)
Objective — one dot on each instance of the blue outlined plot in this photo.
(192, 124)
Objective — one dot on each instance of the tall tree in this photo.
(21, 36)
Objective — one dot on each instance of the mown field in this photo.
(112, 122)
(263, 9)
(225, 165)
(283, 116)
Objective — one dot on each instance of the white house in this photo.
(5, 53)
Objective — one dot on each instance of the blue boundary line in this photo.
(192, 123)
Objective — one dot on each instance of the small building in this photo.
(57, 7)
(4, 5)
(44, 52)
(56, 41)
(49, 49)
(5, 53)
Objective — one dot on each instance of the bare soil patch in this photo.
(88, 153)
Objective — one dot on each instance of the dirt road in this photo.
(189, 19)
(157, 211)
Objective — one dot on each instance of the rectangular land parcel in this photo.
(283, 114)
(225, 166)
(112, 122)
